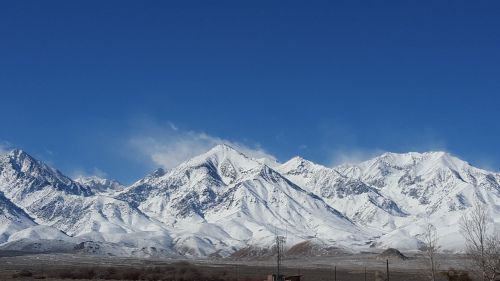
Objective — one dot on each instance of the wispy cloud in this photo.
(353, 155)
(343, 145)
(5, 147)
(77, 173)
(168, 145)
(356, 155)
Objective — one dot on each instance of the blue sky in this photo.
(118, 88)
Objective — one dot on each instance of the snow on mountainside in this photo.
(100, 185)
(21, 174)
(223, 202)
(53, 199)
(12, 219)
(431, 187)
(359, 201)
(423, 182)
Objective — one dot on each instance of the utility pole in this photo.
(365, 273)
(280, 247)
(335, 273)
(387, 269)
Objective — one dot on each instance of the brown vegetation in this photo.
(456, 275)
(482, 248)
(180, 271)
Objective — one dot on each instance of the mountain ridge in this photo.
(223, 201)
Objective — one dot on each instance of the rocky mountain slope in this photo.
(400, 193)
(223, 202)
(52, 199)
(100, 185)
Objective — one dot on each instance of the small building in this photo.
(293, 278)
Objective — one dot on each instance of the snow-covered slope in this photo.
(21, 175)
(427, 182)
(53, 199)
(223, 202)
(415, 188)
(100, 185)
(359, 201)
(12, 219)
(434, 187)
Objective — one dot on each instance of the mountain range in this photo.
(223, 203)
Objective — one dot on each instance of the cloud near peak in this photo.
(5, 147)
(168, 146)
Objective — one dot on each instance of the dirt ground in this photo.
(348, 267)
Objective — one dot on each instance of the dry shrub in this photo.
(179, 271)
(78, 273)
(23, 273)
(379, 276)
(109, 273)
(456, 275)
(131, 274)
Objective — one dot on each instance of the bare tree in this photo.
(481, 248)
(431, 248)
(492, 253)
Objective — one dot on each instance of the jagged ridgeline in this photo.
(224, 203)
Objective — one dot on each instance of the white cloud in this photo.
(356, 155)
(5, 147)
(353, 156)
(168, 146)
(77, 173)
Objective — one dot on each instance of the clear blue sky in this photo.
(80, 83)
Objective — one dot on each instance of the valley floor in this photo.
(349, 267)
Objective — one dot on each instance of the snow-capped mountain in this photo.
(223, 201)
(22, 175)
(12, 219)
(434, 187)
(414, 189)
(426, 182)
(361, 202)
(100, 185)
(53, 199)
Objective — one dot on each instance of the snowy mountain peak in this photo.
(23, 162)
(25, 174)
(412, 158)
(157, 173)
(412, 162)
(299, 166)
(100, 185)
(222, 147)
(221, 152)
(17, 152)
(20, 156)
(223, 160)
(223, 201)
(298, 161)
